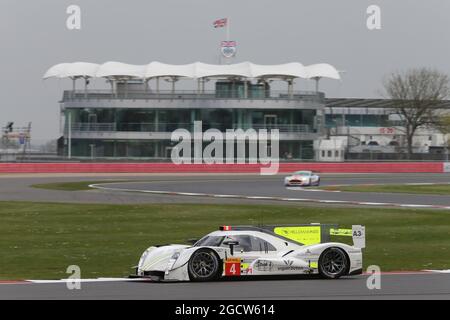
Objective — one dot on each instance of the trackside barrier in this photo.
(342, 167)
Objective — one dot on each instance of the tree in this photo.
(416, 96)
(443, 125)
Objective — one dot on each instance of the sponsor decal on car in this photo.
(341, 232)
(288, 266)
(263, 265)
(305, 234)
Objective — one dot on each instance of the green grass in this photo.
(442, 189)
(39, 240)
(71, 186)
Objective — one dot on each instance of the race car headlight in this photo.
(175, 256)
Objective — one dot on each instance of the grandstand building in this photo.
(135, 113)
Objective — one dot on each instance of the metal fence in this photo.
(190, 94)
(170, 127)
(397, 156)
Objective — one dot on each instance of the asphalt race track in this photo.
(251, 189)
(393, 286)
(271, 188)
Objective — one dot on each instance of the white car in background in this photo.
(302, 179)
(255, 251)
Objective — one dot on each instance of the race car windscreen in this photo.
(209, 241)
(302, 173)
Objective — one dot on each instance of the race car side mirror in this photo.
(231, 244)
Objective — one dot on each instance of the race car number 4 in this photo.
(232, 268)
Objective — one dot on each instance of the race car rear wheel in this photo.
(204, 265)
(333, 263)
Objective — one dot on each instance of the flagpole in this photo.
(228, 38)
(228, 29)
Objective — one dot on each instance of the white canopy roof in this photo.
(195, 70)
(119, 69)
(72, 70)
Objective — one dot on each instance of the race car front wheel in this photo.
(204, 265)
(333, 263)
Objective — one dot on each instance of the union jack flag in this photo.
(220, 23)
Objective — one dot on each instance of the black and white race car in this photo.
(253, 251)
(302, 179)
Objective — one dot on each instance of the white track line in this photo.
(439, 271)
(361, 203)
(388, 184)
(310, 190)
(86, 280)
(6, 282)
(64, 281)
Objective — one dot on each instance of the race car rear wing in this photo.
(357, 232)
(308, 234)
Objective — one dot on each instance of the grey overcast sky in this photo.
(34, 37)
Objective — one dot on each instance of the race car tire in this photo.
(333, 263)
(204, 265)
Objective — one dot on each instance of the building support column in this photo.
(156, 149)
(191, 126)
(157, 86)
(239, 119)
(290, 88)
(146, 85)
(317, 79)
(73, 87)
(291, 120)
(69, 134)
(86, 82)
(114, 85)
